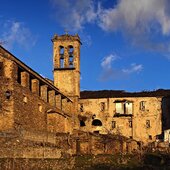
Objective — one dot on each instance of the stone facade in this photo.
(28, 101)
(138, 118)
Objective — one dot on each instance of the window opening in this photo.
(8, 94)
(150, 137)
(96, 122)
(25, 99)
(81, 108)
(102, 106)
(61, 57)
(142, 105)
(130, 123)
(82, 123)
(124, 107)
(40, 107)
(113, 124)
(19, 75)
(148, 124)
(71, 56)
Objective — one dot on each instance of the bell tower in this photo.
(66, 63)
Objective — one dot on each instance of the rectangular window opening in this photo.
(142, 105)
(148, 124)
(130, 123)
(102, 106)
(81, 108)
(113, 124)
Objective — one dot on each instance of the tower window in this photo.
(71, 56)
(61, 57)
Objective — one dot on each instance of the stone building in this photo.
(142, 116)
(31, 103)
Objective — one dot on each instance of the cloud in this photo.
(134, 68)
(109, 72)
(144, 23)
(107, 61)
(140, 21)
(136, 15)
(14, 32)
(74, 14)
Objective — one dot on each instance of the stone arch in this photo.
(96, 122)
(61, 51)
(71, 55)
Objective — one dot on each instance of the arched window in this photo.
(96, 122)
(71, 57)
(61, 57)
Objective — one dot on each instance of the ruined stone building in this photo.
(32, 104)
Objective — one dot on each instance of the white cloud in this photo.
(109, 72)
(134, 68)
(14, 32)
(74, 14)
(136, 15)
(140, 21)
(107, 61)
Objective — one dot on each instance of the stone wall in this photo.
(142, 125)
(31, 104)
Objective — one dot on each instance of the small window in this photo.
(1, 68)
(8, 94)
(40, 108)
(113, 124)
(25, 99)
(96, 132)
(82, 123)
(81, 108)
(130, 123)
(102, 106)
(150, 137)
(142, 105)
(148, 124)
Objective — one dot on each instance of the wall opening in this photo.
(142, 105)
(71, 56)
(82, 123)
(81, 108)
(123, 108)
(61, 57)
(113, 124)
(20, 70)
(96, 122)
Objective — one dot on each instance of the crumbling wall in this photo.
(143, 124)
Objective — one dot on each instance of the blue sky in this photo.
(126, 43)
